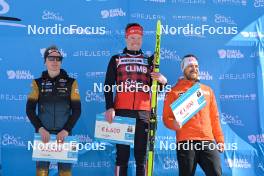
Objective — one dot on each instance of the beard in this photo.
(191, 77)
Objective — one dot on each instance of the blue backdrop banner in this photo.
(226, 35)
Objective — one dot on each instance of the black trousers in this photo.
(140, 143)
(203, 153)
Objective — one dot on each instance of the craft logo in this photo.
(118, 12)
(19, 74)
(230, 54)
(49, 15)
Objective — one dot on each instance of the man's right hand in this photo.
(110, 114)
(45, 135)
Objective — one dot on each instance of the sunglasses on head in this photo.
(54, 58)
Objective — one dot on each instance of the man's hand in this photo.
(221, 147)
(110, 114)
(61, 135)
(45, 135)
(159, 77)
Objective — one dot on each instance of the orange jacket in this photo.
(204, 125)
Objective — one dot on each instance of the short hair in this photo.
(49, 49)
(133, 24)
(190, 55)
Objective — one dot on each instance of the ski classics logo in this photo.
(4, 6)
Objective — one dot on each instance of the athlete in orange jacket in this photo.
(202, 130)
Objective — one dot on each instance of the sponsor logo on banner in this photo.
(168, 54)
(193, 2)
(158, 1)
(91, 53)
(191, 29)
(12, 97)
(231, 119)
(49, 15)
(219, 18)
(19, 74)
(230, 54)
(238, 97)
(190, 18)
(258, 3)
(256, 138)
(230, 2)
(170, 163)
(238, 163)
(59, 29)
(258, 34)
(13, 118)
(172, 145)
(12, 140)
(93, 164)
(63, 53)
(205, 75)
(110, 13)
(91, 96)
(237, 76)
(95, 74)
(147, 16)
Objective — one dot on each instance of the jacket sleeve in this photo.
(215, 122)
(110, 80)
(32, 101)
(75, 107)
(168, 116)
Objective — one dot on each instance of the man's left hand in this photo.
(61, 135)
(159, 77)
(221, 147)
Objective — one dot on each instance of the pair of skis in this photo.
(153, 117)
